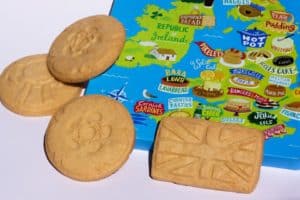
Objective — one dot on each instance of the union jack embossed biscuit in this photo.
(28, 88)
(207, 154)
(86, 48)
(90, 138)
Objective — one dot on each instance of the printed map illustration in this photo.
(233, 62)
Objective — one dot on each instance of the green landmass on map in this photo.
(257, 22)
(160, 29)
(228, 30)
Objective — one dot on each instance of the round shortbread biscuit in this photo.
(28, 88)
(90, 138)
(86, 48)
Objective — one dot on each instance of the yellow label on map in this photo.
(297, 92)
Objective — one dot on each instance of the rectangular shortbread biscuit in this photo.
(207, 154)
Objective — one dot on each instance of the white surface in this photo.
(28, 27)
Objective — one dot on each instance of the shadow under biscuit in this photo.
(151, 150)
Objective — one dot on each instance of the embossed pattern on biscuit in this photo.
(207, 154)
(79, 42)
(86, 48)
(90, 133)
(28, 88)
(90, 138)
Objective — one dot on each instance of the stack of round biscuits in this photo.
(89, 137)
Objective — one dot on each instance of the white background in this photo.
(28, 27)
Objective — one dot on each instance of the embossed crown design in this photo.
(80, 41)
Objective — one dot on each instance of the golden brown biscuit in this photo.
(207, 154)
(90, 138)
(86, 48)
(27, 88)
